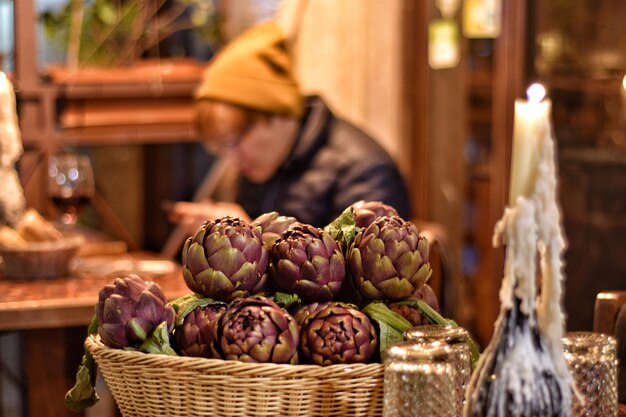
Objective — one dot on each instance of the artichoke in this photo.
(337, 333)
(272, 225)
(197, 333)
(307, 261)
(303, 313)
(129, 309)
(256, 329)
(365, 212)
(388, 260)
(414, 314)
(226, 259)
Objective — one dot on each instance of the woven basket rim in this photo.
(102, 352)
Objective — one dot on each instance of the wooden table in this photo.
(51, 316)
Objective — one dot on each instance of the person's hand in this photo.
(192, 215)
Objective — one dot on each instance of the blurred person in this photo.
(292, 154)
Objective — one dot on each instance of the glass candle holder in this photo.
(419, 381)
(457, 339)
(592, 359)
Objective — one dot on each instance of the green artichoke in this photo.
(307, 261)
(388, 260)
(129, 309)
(337, 333)
(272, 225)
(226, 259)
(256, 329)
(197, 334)
(365, 212)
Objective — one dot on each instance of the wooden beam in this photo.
(508, 77)
(24, 24)
(414, 120)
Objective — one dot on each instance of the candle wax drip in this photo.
(517, 377)
(523, 371)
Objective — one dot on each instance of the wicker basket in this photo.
(149, 385)
(40, 259)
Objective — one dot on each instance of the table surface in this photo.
(70, 301)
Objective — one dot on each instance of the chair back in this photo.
(440, 258)
(607, 307)
(610, 318)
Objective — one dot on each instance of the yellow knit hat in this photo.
(255, 71)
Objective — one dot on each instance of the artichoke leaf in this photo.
(158, 342)
(391, 325)
(343, 229)
(178, 303)
(83, 394)
(188, 303)
(286, 300)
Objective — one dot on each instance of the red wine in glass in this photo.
(73, 204)
(70, 184)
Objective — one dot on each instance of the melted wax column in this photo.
(517, 363)
(533, 177)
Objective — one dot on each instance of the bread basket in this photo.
(40, 259)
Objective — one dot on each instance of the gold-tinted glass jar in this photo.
(419, 380)
(457, 339)
(592, 359)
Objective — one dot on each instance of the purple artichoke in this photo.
(307, 261)
(303, 313)
(272, 225)
(336, 333)
(388, 260)
(197, 334)
(226, 259)
(413, 314)
(365, 212)
(129, 309)
(256, 329)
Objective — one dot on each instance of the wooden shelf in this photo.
(124, 135)
(148, 103)
(145, 72)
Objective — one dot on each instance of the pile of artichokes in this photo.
(367, 259)
(277, 290)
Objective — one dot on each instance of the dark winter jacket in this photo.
(332, 165)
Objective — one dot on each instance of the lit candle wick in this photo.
(535, 93)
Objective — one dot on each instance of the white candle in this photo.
(531, 225)
(531, 121)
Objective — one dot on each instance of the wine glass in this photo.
(70, 184)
